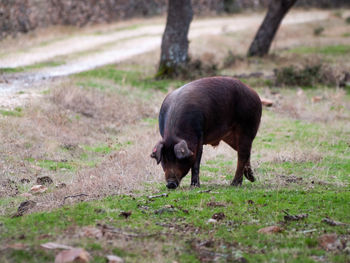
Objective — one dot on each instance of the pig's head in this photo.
(176, 159)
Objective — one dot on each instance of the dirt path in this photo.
(82, 52)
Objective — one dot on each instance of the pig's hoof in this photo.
(248, 173)
(236, 183)
(195, 185)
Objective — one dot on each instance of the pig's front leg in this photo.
(195, 167)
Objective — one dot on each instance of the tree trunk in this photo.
(174, 54)
(266, 33)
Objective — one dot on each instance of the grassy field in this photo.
(92, 134)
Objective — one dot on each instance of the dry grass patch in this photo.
(298, 156)
(121, 172)
(125, 171)
(67, 131)
(101, 107)
(322, 105)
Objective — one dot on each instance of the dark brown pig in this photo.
(206, 111)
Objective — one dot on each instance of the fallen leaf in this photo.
(44, 236)
(61, 185)
(289, 217)
(270, 230)
(316, 99)
(22, 236)
(38, 189)
(73, 255)
(114, 259)
(91, 232)
(143, 207)
(332, 222)
(218, 216)
(330, 242)
(45, 180)
(25, 181)
(182, 209)
(73, 196)
(24, 207)
(99, 211)
(207, 243)
(17, 246)
(110, 230)
(203, 191)
(266, 102)
(51, 245)
(293, 179)
(125, 214)
(165, 209)
(216, 204)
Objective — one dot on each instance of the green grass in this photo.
(257, 82)
(45, 64)
(336, 50)
(106, 149)
(151, 121)
(31, 67)
(238, 230)
(131, 78)
(54, 165)
(88, 158)
(94, 84)
(17, 112)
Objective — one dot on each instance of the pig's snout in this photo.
(172, 185)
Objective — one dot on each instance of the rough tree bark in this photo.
(174, 49)
(276, 11)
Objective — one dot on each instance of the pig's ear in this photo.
(157, 152)
(181, 150)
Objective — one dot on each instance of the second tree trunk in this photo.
(266, 33)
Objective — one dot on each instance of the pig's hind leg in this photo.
(243, 158)
(243, 165)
